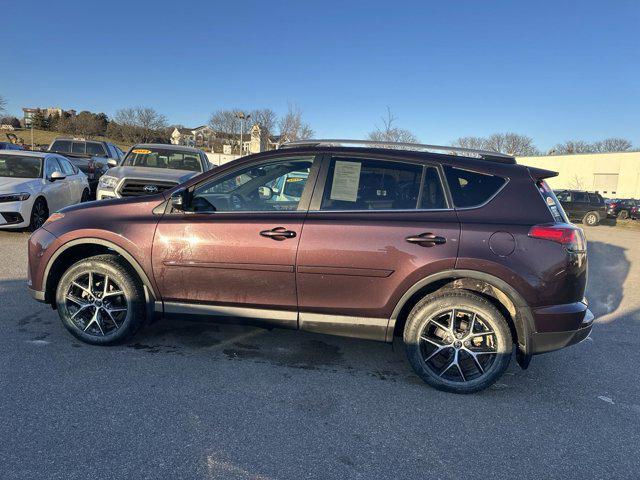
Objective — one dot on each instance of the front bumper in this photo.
(16, 214)
(106, 193)
(574, 320)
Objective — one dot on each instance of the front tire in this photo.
(457, 341)
(100, 300)
(591, 219)
(39, 214)
(623, 215)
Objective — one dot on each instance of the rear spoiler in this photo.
(541, 173)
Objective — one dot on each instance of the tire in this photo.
(102, 316)
(591, 219)
(432, 345)
(623, 215)
(86, 196)
(39, 214)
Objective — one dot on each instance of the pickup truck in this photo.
(150, 168)
(91, 157)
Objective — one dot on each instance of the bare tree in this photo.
(512, 144)
(612, 145)
(137, 124)
(149, 122)
(266, 118)
(3, 104)
(293, 127)
(391, 133)
(476, 143)
(571, 146)
(577, 182)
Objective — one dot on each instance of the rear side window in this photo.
(359, 184)
(78, 147)
(595, 198)
(62, 146)
(471, 189)
(96, 149)
(580, 197)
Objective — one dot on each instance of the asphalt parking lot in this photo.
(197, 400)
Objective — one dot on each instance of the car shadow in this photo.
(608, 270)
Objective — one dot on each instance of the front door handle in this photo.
(278, 233)
(426, 240)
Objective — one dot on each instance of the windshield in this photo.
(163, 158)
(20, 166)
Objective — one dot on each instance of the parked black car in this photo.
(621, 208)
(587, 207)
(90, 156)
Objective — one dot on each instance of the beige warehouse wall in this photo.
(581, 171)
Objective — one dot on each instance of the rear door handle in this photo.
(278, 233)
(426, 240)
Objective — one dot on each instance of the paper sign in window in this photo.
(346, 179)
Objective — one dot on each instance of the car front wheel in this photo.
(100, 300)
(457, 341)
(623, 215)
(39, 214)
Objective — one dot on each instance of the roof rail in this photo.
(470, 152)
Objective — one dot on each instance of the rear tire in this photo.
(39, 214)
(623, 215)
(591, 219)
(100, 300)
(465, 355)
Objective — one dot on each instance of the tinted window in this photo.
(595, 198)
(358, 184)
(163, 158)
(580, 197)
(96, 149)
(470, 189)
(78, 147)
(273, 186)
(62, 146)
(20, 166)
(67, 168)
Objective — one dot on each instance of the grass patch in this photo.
(43, 138)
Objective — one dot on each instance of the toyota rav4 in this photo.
(465, 255)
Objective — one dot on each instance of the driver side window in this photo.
(272, 186)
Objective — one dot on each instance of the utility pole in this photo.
(243, 118)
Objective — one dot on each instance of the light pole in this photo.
(242, 117)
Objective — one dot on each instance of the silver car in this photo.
(36, 184)
(150, 168)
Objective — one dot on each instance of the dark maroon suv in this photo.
(464, 254)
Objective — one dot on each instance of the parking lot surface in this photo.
(198, 400)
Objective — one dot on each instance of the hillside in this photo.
(45, 137)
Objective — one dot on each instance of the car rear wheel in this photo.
(623, 215)
(39, 214)
(457, 341)
(100, 300)
(592, 219)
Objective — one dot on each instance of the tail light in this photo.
(613, 205)
(91, 169)
(569, 236)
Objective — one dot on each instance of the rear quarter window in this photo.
(472, 189)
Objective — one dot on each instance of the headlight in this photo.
(14, 197)
(107, 182)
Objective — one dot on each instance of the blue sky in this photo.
(552, 70)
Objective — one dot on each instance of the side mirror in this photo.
(112, 163)
(265, 193)
(57, 176)
(179, 200)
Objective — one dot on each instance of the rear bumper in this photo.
(561, 326)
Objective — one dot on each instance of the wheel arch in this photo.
(500, 293)
(80, 248)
